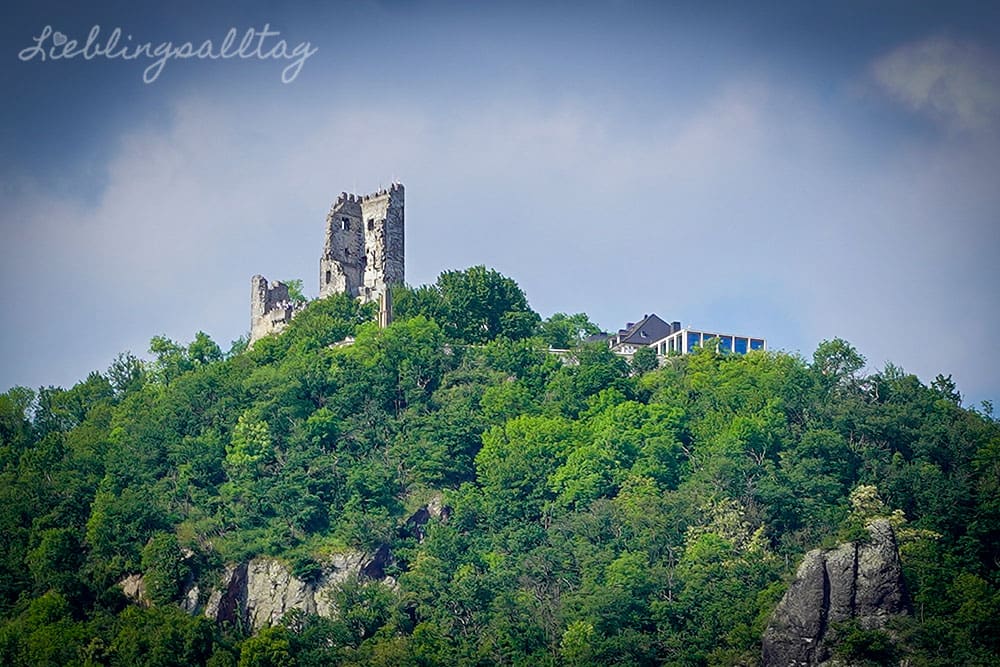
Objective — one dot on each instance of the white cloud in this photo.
(956, 82)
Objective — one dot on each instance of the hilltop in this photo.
(485, 502)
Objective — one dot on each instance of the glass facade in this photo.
(687, 340)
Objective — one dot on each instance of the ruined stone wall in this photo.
(271, 309)
(384, 265)
(363, 251)
(342, 265)
(362, 256)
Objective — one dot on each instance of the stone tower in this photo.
(362, 257)
(363, 252)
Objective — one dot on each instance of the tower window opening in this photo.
(371, 224)
(329, 276)
(345, 223)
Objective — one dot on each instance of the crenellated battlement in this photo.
(394, 189)
(350, 197)
(346, 197)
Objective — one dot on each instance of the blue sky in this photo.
(798, 171)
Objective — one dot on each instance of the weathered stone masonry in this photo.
(362, 257)
(363, 253)
(271, 309)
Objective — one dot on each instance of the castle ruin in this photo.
(362, 257)
(271, 309)
(363, 253)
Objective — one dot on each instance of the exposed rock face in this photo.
(416, 524)
(863, 582)
(134, 588)
(272, 591)
(189, 602)
(258, 593)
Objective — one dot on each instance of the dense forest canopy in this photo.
(599, 512)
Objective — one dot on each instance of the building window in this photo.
(371, 224)
(345, 224)
(756, 344)
(726, 344)
(694, 340)
(329, 276)
(741, 345)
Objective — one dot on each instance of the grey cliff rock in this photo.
(134, 588)
(257, 594)
(272, 591)
(862, 582)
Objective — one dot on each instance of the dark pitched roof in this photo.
(646, 331)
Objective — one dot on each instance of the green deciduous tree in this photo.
(55, 563)
(249, 445)
(203, 350)
(516, 459)
(171, 359)
(118, 527)
(644, 360)
(271, 647)
(127, 373)
(164, 568)
(562, 331)
(160, 637)
(295, 290)
(837, 362)
(479, 304)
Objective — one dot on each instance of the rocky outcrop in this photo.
(259, 593)
(189, 602)
(272, 591)
(435, 508)
(134, 588)
(858, 581)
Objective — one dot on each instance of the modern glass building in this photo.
(668, 338)
(686, 340)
